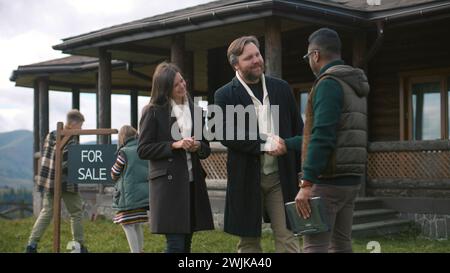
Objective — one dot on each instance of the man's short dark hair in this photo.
(327, 40)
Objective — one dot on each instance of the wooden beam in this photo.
(43, 110)
(273, 48)
(131, 87)
(177, 51)
(104, 94)
(131, 71)
(87, 87)
(134, 109)
(75, 98)
(148, 50)
(80, 132)
(71, 85)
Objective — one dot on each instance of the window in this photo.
(424, 104)
(426, 111)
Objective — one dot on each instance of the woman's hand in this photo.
(195, 147)
(185, 143)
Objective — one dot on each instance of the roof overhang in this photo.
(67, 74)
(212, 17)
(228, 12)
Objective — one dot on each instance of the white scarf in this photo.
(265, 119)
(183, 114)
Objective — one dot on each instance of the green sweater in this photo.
(327, 111)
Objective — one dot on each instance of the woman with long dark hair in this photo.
(178, 195)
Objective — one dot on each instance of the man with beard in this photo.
(258, 183)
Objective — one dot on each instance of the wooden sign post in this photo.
(62, 137)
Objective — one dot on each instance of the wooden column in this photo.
(104, 94)
(273, 47)
(358, 59)
(184, 60)
(97, 125)
(76, 98)
(43, 110)
(359, 50)
(36, 138)
(134, 108)
(37, 196)
(213, 61)
(177, 51)
(188, 72)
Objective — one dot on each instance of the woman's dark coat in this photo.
(170, 198)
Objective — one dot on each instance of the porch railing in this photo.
(396, 168)
(216, 164)
(409, 168)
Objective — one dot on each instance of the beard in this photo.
(252, 76)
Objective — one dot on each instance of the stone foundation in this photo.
(432, 226)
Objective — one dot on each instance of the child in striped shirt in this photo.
(131, 189)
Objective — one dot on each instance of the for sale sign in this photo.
(91, 164)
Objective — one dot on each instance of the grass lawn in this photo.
(105, 237)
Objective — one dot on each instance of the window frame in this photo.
(407, 80)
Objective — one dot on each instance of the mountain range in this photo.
(16, 159)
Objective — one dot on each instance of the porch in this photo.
(406, 180)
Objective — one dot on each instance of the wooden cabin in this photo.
(402, 46)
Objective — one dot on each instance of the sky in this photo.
(29, 29)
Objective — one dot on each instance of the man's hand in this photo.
(279, 146)
(302, 202)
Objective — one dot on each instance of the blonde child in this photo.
(131, 189)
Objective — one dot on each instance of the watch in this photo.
(304, 184)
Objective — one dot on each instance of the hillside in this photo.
(16, 160)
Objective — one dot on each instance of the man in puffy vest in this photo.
(334, 151)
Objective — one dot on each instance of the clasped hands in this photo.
(188, 143)
(275, 145)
